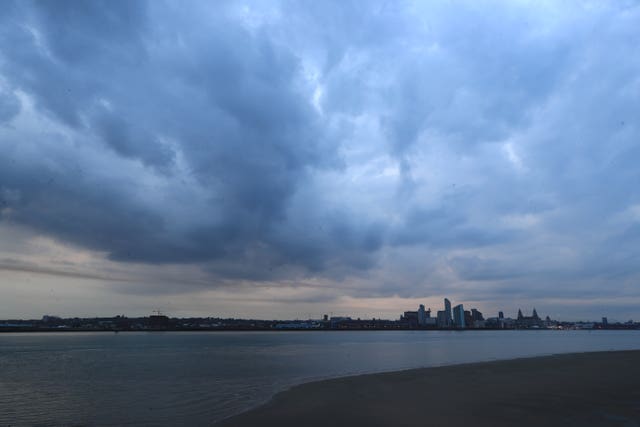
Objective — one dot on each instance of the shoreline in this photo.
(599, 388)
(74, 330)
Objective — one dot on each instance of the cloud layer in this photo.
(389, 149)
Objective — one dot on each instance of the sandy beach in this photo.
(588, 389)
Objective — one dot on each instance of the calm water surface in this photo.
(199, 378)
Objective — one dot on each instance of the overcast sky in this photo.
(290, 159)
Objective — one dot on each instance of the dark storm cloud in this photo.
(83, 32)
(233, 105)
(447, 226)
(329, 139)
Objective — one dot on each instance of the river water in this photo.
(197, 378)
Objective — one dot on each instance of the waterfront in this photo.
(198, 378)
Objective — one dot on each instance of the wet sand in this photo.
(587, 389)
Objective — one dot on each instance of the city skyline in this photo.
(279, 159)
(456, 317)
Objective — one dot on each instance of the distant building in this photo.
(468, 321)
(550, 324)
(499, 323)
(458, 316)
(441, 319)
(51, 320)
(500, 315)
(431, 322)
(479, 324)
(583, 325)
(411, 318)
(447, 313)
(605, 322)
(158, 321)
(298, 325)
(532, 321)
(422, 315)
(336, 321)
(476, 320)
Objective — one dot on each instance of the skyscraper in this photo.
(422, 316)
(458, 316)
(447, 313)
(441, 319)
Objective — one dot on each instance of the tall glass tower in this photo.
(447, 312)
(458, 316)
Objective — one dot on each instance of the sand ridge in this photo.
(585, 389)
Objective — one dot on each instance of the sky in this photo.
(287, 159)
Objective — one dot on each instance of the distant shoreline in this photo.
(75, 330)
(409, 321)
(581, 389)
